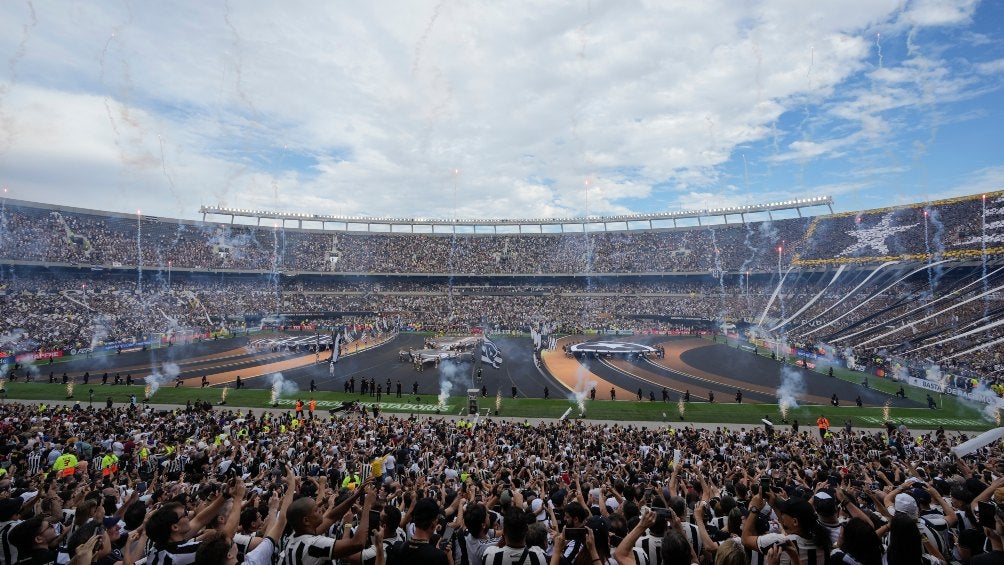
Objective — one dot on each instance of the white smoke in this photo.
(900, 372)
(933, 373)
(992, 413)
(829, 353)
(849, 357)
(792, 385)
(281, 386)
(100, 325)
(582, 388)
(171, 369)
(13, 337)
(156, 379)
(450, 373)
(444, 394)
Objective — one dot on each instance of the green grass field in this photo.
(955, 415)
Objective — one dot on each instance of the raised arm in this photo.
(623, 554)
(237, 491)
(275, 530)
(335, 512)
(749, 524)
(347, 546)
(207, 514)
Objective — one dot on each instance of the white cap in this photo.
(906, 504)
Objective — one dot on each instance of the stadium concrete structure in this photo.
(626, 303)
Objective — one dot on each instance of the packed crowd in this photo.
(38, 234)
(84, 309)
(129, 485)
(89, 307)
(958, 228)
(41, 234)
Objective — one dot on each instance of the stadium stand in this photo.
(914, 286)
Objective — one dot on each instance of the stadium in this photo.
(480, 283)
(749, 305)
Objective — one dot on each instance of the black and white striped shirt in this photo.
(511, 556)
(8, 552)
(652, 547)
(808, 552)
(34, 463)
(308, 549)
(172, 466)
(693, 535)
(174, 553)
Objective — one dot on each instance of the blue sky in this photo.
(499, 110)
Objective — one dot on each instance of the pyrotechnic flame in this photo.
(280, 386)
(444, 393)
(224, 393)
(681, 406)
(148, 391)
(783, 406)
(69, 390)
(498, 400)
(3, 384)
(886, 409)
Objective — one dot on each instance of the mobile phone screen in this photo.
(447, 538)
(985, 515)
(764, 486)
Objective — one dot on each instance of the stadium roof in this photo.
(523, 225)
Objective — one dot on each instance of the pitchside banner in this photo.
(982, 396)
(112, 346)
(36, 355)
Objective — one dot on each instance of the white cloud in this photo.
(940, 12)
(994, 67)
(366, 109)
